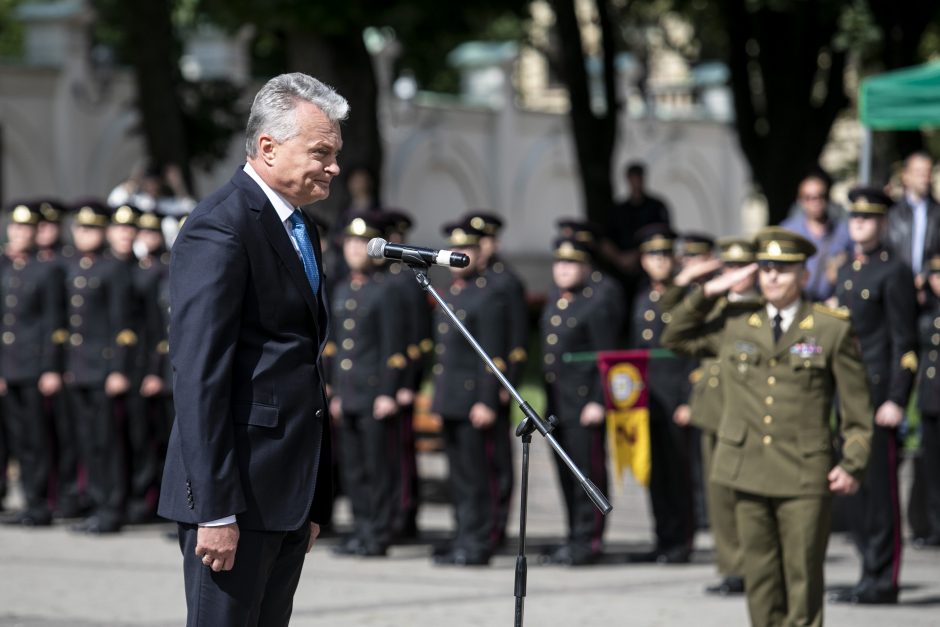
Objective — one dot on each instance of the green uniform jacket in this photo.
(774, 437)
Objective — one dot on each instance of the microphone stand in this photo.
(532, 422)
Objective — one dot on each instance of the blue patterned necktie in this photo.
(299, 231)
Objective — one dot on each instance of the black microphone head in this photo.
(377, 247)
(459, 260)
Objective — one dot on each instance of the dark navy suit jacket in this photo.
(251, 435)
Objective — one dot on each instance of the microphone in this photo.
(380, 249)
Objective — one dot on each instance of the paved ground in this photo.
(50, 577)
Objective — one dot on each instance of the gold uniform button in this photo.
(348, 343)
(713, 382)
(78, 300)
(772, 362)
(8, 338)
(932, 355)
(11, 301)
(769, 400)
(935, 339)
(714, 369)
(848, 284)
(552, 339)
(438, 369)
(768, 420)
(767, 440)
(442, 328)
(806, 363)
(480, 282)
(856, 265)
(666, 317)
(931, 372)
(596, 276)
(469, 384)
(349, 324)
(562, 303)
(351, 303)
(19, 264)
(85, 263)
(439, 349)
(355, 286)
(461, 314)
(76, 339)
(75, 321)
(588, 292)
(771, 380)
(571, 322)
(654, 296)
(649, 315)
(555, 320)
(9, 319)
(865, 294)
(454, 289)
(346, 364)
(550, 377)
(647, 334)
(936, 323)
(549, 359)
(80, 282)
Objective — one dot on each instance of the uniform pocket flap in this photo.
(732, 432)
(256, 415)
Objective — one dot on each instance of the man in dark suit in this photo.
(247, 474)
(914, 222)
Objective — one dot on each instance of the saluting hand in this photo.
(697, 270)
(721, 284)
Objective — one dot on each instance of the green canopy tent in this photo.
(902, 100)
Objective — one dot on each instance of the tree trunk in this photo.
(594, 134)
(345, 64)
(784, 106)
(153, 49)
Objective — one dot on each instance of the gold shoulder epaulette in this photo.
(842, 313)
(397, 361)
(414, 352)
(163, 347)
(695, 376)
(517, 355)
(60, 336)
(909, 361)
(330, 349)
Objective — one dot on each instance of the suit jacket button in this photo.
(319, 413)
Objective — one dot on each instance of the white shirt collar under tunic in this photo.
(787, 314)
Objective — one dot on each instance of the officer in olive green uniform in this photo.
(466, 396)
(416, 328)
(509, 287)
(367, 370)
(878, 290)
(670, 488)
(928, 401)
(781, 368)
(98, 362)
(576, 319)
(707, 405)
(31, 356)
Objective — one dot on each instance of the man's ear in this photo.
(267, 149)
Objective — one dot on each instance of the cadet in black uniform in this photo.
(151, 279)
(509, 287)
(928, 400)
(466, 396)
(367, 370)
(30, 358)
(606, 287)
(141, 463)
(416, 328)
(878, 290)
(51, 249)
(577, 319)
(97, 362)
(670, 488)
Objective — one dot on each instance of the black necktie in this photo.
(778, 327)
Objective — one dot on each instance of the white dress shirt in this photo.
(787, 314)
(918, 232)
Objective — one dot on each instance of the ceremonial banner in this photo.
(627, 398)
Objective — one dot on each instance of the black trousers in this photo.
(503, 467)
(930, 462)
(23, 408)
(371, 476)
(670, 482)
(410, 495)
(470, 457)
(875, 513)
(67, 495)
(258, 591)
(141, 416)
(587, 447)
(101, 446)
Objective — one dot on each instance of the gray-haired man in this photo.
(248, 467)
